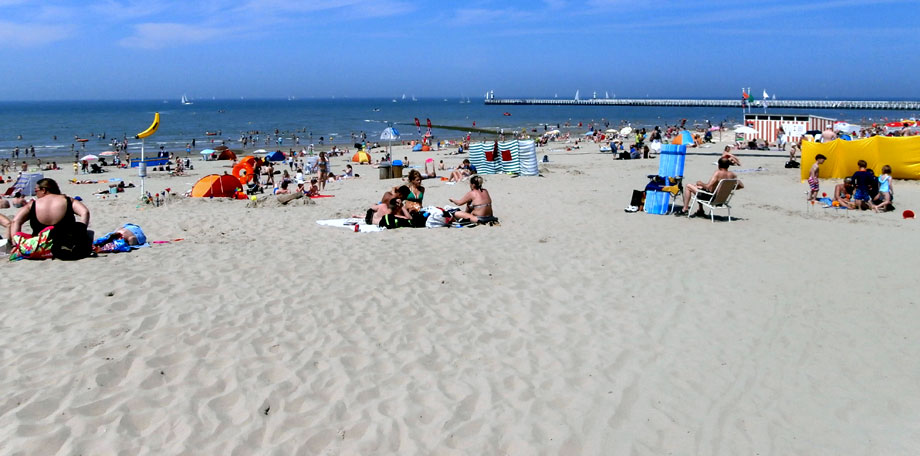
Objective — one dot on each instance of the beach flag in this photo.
(744, 98)
(419, 126)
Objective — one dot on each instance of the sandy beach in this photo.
(574, 328)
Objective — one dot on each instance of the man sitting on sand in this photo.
(718, 176)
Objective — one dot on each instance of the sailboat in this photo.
(185, 100)
(576, 95)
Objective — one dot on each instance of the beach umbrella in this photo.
(552, 132)
(589, 133)
(109, 153)
(684, 137)
(206, 152)
(610, 130)
(260, 151)
(625, 131)
(715, 128)
(390, 133)
(745, 130)
(221, 148)
(89, 158)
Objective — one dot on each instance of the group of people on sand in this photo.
(863, 190)
(402, 206)
(65, 220)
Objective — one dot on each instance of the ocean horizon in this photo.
(51, 127)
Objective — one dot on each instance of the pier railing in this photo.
(806, 104)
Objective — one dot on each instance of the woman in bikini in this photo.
(478, 202)
(416, 191)
(323, 169)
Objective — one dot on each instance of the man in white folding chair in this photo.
(718, 176)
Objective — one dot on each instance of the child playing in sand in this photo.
(884, 189)
(314, 188)
(813, 177)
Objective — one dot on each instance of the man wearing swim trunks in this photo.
(718, 176)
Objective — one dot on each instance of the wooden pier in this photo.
(794, 104)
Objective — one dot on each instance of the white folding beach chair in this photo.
(719, 198)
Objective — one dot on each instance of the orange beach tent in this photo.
(361, 157)
(216, 186)
(227, 155)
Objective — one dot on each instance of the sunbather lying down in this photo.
(124, 239)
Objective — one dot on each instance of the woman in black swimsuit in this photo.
(69, 238)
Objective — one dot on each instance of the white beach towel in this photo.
(350, 223)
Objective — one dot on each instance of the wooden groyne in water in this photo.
(794, 104)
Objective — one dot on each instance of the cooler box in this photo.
(657, 202)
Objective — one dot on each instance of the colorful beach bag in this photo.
(26, 246)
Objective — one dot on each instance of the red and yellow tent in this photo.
(217, 186)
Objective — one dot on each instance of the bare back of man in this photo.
(719, 175)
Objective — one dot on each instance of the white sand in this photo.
(573, 328)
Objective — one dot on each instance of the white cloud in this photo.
(30, 35)
(161, 35)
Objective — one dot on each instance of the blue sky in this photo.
(111, 49)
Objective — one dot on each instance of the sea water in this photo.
(52, 127)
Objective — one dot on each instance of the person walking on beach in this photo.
(322, 166)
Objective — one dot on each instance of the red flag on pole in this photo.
(429, 122)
